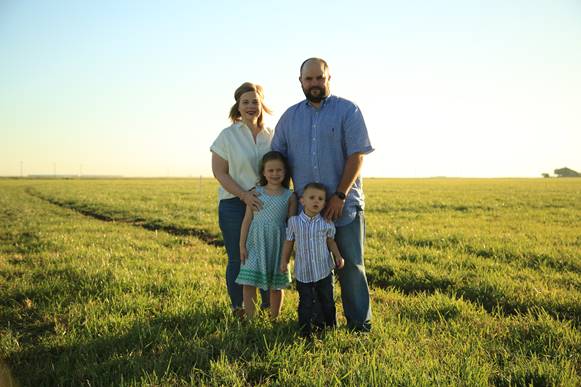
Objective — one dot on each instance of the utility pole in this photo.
(199, 197)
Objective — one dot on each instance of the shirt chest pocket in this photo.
(330, 129)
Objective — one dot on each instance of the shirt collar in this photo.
(324, 102)
(307, 218)
(242, 125)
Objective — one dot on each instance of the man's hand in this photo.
(334, 208)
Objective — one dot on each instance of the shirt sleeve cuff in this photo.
(367, 150)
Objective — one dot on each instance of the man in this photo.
(324, 139)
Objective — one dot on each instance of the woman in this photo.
(236, 155)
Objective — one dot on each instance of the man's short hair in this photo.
(325, 65)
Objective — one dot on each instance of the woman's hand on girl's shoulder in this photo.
(250, 198)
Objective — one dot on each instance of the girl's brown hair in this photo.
(244, 88)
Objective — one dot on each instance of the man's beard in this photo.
(315, 98)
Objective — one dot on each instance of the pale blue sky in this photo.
(141, 88)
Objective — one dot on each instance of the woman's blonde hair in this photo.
(244, 88)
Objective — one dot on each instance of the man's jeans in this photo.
(230, 216)
(354, 287)
(311, 293)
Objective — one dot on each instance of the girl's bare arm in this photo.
(248, 215)
(292, 205)
(287, 249)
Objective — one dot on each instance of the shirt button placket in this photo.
(315, 161)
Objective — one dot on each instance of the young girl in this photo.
(263, 234)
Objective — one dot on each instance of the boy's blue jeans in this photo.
(311, 294)
(230, 216)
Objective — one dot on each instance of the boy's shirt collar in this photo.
(306, 217)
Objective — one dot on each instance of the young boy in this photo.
(313, 265)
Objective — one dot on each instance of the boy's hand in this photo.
(339, 262)
(283, 267)
(243, 254)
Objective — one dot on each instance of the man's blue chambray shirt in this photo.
(317, 143)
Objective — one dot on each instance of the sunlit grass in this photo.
(474, 282)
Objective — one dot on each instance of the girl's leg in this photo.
(265, 297)
(276, 298)
(249, 295)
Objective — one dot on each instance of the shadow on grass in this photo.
(487, 295)
(24, 311)
(528, 259)
(61, 348)
(179, 348)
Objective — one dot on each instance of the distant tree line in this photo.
(564, 172)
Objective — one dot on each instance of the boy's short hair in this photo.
(315, 185)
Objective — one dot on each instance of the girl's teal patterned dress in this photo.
(264, 243)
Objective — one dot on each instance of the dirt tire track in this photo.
(203, 235)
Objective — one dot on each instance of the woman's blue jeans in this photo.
(230, 216)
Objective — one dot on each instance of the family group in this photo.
(319, 145)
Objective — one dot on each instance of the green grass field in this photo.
(121, 282)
